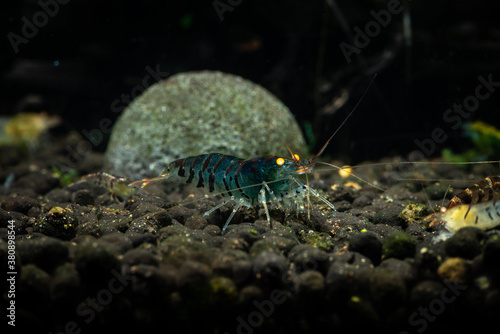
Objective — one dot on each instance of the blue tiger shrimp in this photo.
(247, 182)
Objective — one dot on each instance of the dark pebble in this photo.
(491, 256)
(367, 244)
(246, 232)
(46, 253)
(59, 222)
(143, 209)
(196, 223)
(194, 275)
(65, 285)
(114, 223)
(224, 291)
(426, 291)
(213, 229)
(152, 284)
(235, 243)
(141, 225)
(388, 217)
(33, 288)
(224, 260)
(163, 218)
(95, 263)
(465, 243)
(83, 197)
(416, 231)
(89, 224)
(318, 221)
(382, 230)
(279, 230)
(34, 212)
(428, 257)
(269, 268)
(263, 245)
(139, 239)
(19, 203)
(362, 201)
(177, 249)
(306, 257)
(250, 293)
(58, 195)
(262, 226)
(406, 270)
(360, 308)
(387, 288)
(5, 217)
(175, 229)
(140, 256)
(342, 206)
(207, 239)
(180, 213)
(348, 273)
(311, 287)
(115, 243)
(283, 244)
(242, 271)
(40, 181)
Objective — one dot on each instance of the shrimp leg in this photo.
(315, 193)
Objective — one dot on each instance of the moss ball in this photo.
(197, 113)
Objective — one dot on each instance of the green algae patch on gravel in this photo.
(196, 113)
(399, 245)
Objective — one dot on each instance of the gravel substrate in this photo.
(87, 264)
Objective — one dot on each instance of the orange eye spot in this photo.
(280, 161)
(296, 157)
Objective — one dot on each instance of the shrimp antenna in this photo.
(427, 197)
(446, 193)
(345, 120)
(294, 156)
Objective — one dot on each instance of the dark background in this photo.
(91, 52)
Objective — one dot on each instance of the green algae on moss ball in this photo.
(197, 113)
(399, 245)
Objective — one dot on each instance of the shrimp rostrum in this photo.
(245, 182)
